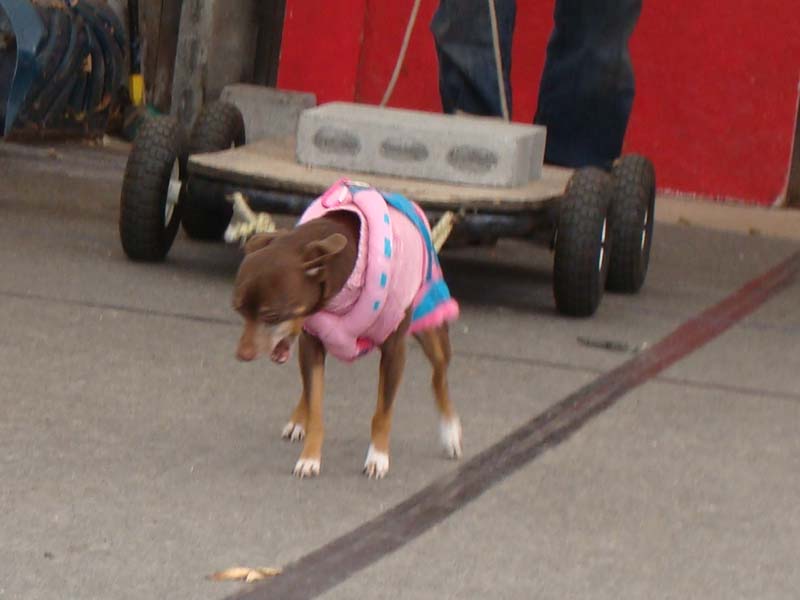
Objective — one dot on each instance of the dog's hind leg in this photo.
(436, 345)
(312, 370)
(393, 361)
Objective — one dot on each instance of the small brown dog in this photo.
(358, 272)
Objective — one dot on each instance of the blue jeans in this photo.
(462, 31)
(587, 86)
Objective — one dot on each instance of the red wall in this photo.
(717, 83)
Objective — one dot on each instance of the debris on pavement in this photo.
(612, 345)
(246, 574)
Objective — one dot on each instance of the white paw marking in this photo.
(377, 464)
(306, 467)
(293, 432)
(450, 432)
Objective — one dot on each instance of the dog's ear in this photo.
(261, 240)
(316, 254)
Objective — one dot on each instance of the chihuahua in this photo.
(359, 272)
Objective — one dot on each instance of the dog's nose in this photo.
(246, 352)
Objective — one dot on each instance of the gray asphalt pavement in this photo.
(137, 456)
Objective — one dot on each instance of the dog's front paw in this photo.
(294, 432)
(306, 467)
(377, 464)
(450, 432)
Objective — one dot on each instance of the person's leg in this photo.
(587, 87)
(462, 32)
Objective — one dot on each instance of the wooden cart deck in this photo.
(271, 165)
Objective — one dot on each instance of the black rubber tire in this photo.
(582, 241)
(143, 231)
(630, 217)
(219, 126)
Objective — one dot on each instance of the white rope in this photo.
(402, 56)
(498, 61)
(442, 229)
(244, 222)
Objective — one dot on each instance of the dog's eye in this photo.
(270, 318)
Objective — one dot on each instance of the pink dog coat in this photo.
(396, 267)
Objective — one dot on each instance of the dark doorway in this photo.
(268, 47)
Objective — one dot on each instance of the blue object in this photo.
(438, 292)
(30, 33)
(462, 31)
(587, 87)
(404, 205)
(436, 295)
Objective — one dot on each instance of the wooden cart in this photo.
(599, 224)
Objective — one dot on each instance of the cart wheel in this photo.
(149, 207)
(219, 126)
(582, 243)
(630, 218)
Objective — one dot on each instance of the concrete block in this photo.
(456, 149)
(268, 112)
